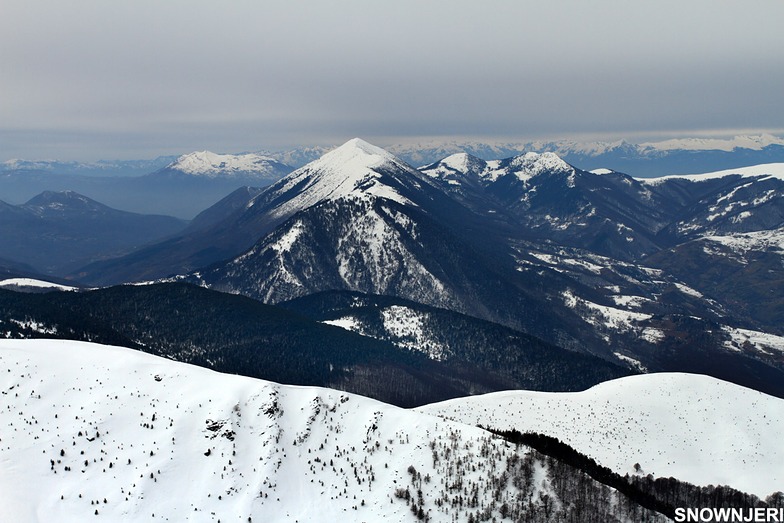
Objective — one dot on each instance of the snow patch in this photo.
(348, 323)
(407, 328)
(609, 317)
(286, 241)
(633, 363)
(759, 341)
(685, 289)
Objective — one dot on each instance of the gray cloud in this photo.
(90, 79)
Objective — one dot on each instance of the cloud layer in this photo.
(127, 79)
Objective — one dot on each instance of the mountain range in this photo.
(597, 263)
(112, 182)
(530, 242)
(362, 273)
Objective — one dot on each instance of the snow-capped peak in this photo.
(536, 163)
(353, 169)
(206, 163)
(456, 166)
(462, 162)
(528, 165)
(355, 154)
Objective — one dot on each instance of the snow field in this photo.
(691, 427)
(97, 433)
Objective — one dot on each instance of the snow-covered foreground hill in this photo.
(97, 433)
(691, 427)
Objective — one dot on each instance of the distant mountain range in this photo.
(674, 156)
(649, 159)
(97, 168)
(595, 263)
(182, 187)
(641, 272)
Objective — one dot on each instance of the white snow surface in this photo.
(30, 282)
(775, 170)
(455, 168)
(286, 241)
(99, 433)
(692, 427)
(208, 164)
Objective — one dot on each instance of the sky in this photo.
(132, 79)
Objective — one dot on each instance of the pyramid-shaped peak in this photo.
(456, 166)
(358, 148)
(356, 169)
(355, 156)
(363, 146)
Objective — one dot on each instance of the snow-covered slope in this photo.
(34, 284)
(97, 433)
(211, 165)
(692, 427)
(775, 170)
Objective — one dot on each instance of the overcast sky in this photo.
(92, 79)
